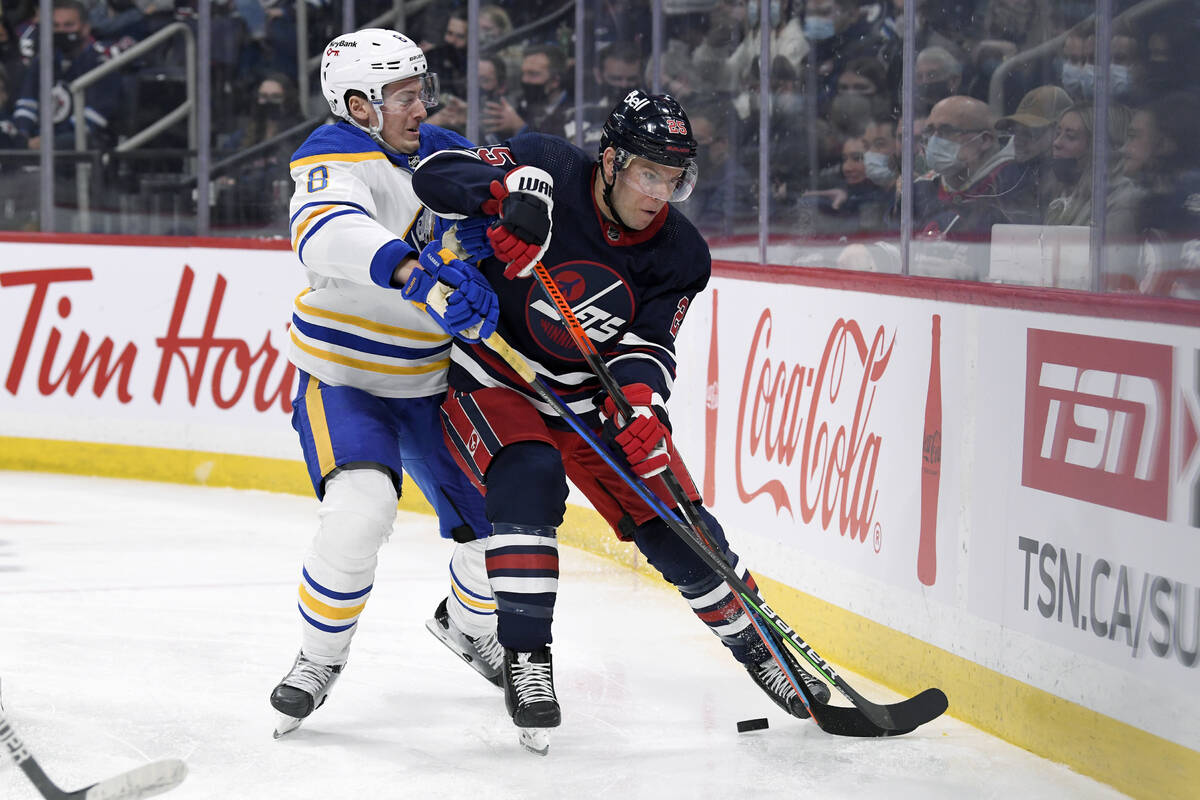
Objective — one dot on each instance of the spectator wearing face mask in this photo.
(619, 70)
(855, 203)
(881, 164)
(75, 53)
(867, 77)
(974, 184)
(1072, 164)
(840, 31)
(542, 102)
(1079, 72)
(448, 60)
(1032, 129)
(938, 76)
(786, 40)
(274, 107)
(255, 191)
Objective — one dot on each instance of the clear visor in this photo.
(399, 97)
(671, 184)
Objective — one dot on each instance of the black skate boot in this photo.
(529, 697)
(772, 680)
(301, 692)
(483, 653)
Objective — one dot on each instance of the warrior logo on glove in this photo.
(525, 203)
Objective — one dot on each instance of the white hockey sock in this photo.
(470, 604)
(356, 519)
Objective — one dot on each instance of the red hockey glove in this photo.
(525, 203)
(645, 440)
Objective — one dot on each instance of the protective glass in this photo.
(672, 184)
(425, 90)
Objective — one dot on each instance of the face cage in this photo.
(672, 192)
(428, 93)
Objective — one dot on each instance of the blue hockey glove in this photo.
(469, 237)
(455, 294)
(472, 235)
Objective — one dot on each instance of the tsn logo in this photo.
(1097, 420)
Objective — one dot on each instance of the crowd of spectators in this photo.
(1004, 116)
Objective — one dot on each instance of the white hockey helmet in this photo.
(368, 60)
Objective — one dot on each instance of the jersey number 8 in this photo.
(318, 178)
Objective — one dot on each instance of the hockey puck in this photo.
(752, 725)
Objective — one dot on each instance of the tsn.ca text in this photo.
(1126, 606)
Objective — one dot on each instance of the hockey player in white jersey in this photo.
(372, 365)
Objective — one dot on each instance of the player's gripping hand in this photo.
(455, 294)
(645, 440)
(472, 237)
(525, 202)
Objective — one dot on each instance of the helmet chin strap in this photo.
(607, 194)
(374, 131)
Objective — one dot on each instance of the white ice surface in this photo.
(141, 621)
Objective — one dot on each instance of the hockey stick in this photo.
(144, 781)
(838, 720)
(583, 343)
(867, 719)
(903, 716)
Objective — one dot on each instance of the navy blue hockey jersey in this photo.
(629, 289)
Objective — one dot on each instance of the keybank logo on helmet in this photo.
(343, 43)
(1097, 419)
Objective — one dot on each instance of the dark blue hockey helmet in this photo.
(652, 126)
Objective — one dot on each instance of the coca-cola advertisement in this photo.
(814, 423)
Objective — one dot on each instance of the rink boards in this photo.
(1017, 526)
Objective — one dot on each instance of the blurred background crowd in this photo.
(1050, 142)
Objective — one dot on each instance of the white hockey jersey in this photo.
(354, 217)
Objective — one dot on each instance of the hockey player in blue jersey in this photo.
(372, 366)
(630, 265)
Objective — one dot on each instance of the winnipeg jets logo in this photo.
(599, 298)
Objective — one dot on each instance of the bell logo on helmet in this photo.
(636, 100)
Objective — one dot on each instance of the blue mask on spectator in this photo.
(818, 29)
(879, 168)
(941, 154)
(1079, 80)
(1118, 80)
(775, 12)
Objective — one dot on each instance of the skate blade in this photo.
(285, 725)
(439, 632)
(535, 740)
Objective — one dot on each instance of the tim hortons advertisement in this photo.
(1097, 549)
(819, 415)
(180, 347)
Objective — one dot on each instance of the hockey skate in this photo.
(772, 680)
(529, 697)
(301, 692)
(483, 653)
